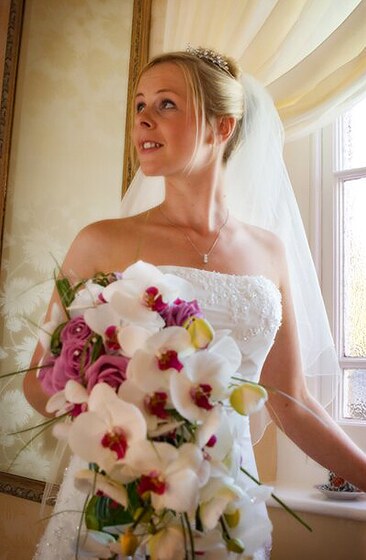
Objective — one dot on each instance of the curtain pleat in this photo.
(310, 54)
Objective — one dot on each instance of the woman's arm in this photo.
(305, 421)
(79, 263)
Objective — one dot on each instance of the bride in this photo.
(216, 140)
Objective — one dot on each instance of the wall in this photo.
(20, 527)
(65, 171)
(331, 538)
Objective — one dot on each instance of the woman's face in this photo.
(165, 128)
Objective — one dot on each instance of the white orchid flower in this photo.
(151, 367)
(170, 476)
(215, 498)
(154, 406)
(210, 546)
(91, 482)
(94, 545)
(143, 292)
(215, 437)
(85, 298)
(167, 543)
(254, 527)
(105, 434)
(204, 383)
(118, 336)
(72, 399)
(57, 317)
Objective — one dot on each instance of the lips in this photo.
(150, 145)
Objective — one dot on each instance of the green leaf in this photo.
(56, 344)
(101, 512)
(97, 347)
(91, 515)
(65, 291)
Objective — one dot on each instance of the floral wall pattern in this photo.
(65, 171)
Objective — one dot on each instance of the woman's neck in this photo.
(196, 201)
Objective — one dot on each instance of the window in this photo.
(349, 277)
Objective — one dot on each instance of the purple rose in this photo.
(74, 359)
(177, 313)
(75, 329)
(109, 369)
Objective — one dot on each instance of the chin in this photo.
(151, 172)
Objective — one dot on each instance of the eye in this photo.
(139, 107)
(167, 104)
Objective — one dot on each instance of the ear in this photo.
(225, 127)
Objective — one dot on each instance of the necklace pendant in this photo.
(205, 258)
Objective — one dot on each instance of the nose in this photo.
(145, 119)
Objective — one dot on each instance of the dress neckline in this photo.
(221, 274)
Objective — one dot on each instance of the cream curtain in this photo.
(311, 54)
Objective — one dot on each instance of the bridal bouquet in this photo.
(149, 390)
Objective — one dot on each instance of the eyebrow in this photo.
(163, 90)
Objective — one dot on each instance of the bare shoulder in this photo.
(264, 238)
(102, 246)
(267, 252)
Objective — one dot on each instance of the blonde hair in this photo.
(215, 92)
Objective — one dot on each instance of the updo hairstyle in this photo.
(215, 91)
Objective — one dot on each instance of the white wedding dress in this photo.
(250, 307)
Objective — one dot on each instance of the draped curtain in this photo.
(310, 54)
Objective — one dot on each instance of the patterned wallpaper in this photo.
(65, 171)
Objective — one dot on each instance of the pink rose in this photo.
(109, 369)
(75, 329)
(74, 359)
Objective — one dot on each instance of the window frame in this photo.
(333, 179)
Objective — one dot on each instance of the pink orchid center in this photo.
(111, 338)
(101, 299)
(212, 441)
(169, 359)
(200, 394)
(77, 408)
(116, 441)
(153, 299)
(153, 482)
(155, 404)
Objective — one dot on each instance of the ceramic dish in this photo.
(338, 495)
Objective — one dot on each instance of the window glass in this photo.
(354, 267)
(353, 137)
(354, 394)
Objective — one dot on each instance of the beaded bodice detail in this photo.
(248, 306)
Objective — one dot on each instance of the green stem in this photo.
(43, 425)
(140, 516)
(185, 537)
(28, 443)
(20, 371)
(190, 534)
(279, 501)
(79, 528)
(224, 529)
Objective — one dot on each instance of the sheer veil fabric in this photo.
(259, 192)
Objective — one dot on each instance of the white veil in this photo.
(259, 192)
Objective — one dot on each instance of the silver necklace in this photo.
(204, 256)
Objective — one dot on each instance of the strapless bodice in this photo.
(248, 306)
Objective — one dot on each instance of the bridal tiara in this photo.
(209, 56)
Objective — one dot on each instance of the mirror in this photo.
(69, 72)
